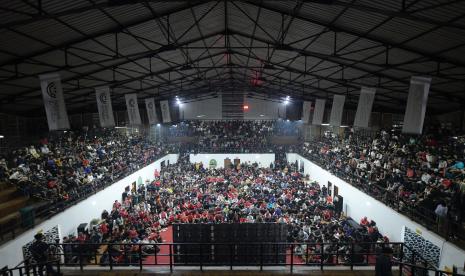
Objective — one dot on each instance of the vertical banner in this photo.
(318, 112)
(54, 102)
(306, 108)
(151, 111)
(105, 110)
(165, 111)
(365, 104)
(133, 109)
(416, 105)
(336, 110)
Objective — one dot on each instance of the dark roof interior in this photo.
(305, 49)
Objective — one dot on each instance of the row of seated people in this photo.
(186, 193)
(422, 174)
(256, 129)
(67, 167)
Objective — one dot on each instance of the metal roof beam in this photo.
(372, 38)
(111, 30)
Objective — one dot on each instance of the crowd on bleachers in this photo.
(191, 193)
(232, 136)
(416, 174)
(67, 167)
(422, 176)
(225, 136)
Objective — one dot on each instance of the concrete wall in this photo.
(209, 109)
(263, 160)
(85, 211)
(258, 107)
(357, 204)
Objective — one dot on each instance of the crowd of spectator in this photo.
(226, 136)
(191, 193)
(422, 176)
(416, 175)
(67, 167)
(232, 135)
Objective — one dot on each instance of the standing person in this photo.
(441, 213)
(39, 250)
(383, 263)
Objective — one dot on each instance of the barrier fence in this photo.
(10, 228)
(449, 229)
(111, 256)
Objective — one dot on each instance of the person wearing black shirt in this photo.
(383, 263)
(39, 250)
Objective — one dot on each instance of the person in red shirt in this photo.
(364, 221)
(132, 234)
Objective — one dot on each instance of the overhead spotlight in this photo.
(286, 101)
(1, 136)
(158, 125)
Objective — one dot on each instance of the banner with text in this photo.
(306, 108)
(416, 105)
(133, 109)
(151, 111)
(165, 111)
(336, 110)
(318, 112)
(364, 107)
(105, 110)
(54, 102)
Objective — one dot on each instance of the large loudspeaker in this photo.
(338, 204)
(242, 242)
(294, 111)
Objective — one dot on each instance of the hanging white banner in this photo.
(318, 112)
(165, 111)
(133, 109)
(336, 110)
(105, 110)
(54, 102)
(364, 107)
(416, 105)
(306, 108)
(151, 111)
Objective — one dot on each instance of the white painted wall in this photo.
(263, 160)
(258, 107)
(209, 109)
(357, 204)
(85, 211)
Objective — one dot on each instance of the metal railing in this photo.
(111, 256)
(86, 256)
(15, 226)
(415, 212)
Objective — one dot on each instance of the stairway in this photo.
(11, 201)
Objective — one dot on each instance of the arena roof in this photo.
(305, 49)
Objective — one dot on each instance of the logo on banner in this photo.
(213, 163)
(163, 106)
(103, 98)
(150, 105)
(52, 90)
(131, 103)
